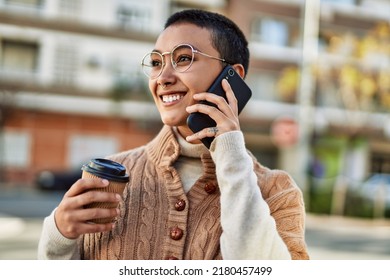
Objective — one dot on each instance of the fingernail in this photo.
(118, 197)
(105, 182)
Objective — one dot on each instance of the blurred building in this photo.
(72, 88)
(66, 67)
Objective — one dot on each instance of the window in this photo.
(83, 148)
(69, 8)
(15, 149)
(128, 81)
(136, 18)
(342, 2)
(264, 84)
(380, 163)
(18, 56)
(25, 3)
(277, 31)
(65, 64)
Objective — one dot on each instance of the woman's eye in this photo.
(183, 59)
(155, 63)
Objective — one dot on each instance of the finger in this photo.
(94, 228)
(207, 132)
(230, 102)
(203, 108)
(219, 101)
(85, 215)
(77, 229)
(213, 130)
(69, 207)
(230, 96)
(74, 223)
(214, 112)
(95, 213)
(94, 196)
(84, 184)
(225, 122)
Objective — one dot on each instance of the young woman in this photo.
(185, 201)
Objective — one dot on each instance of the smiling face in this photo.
(179, 88)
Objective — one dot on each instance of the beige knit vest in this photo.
(159, 221)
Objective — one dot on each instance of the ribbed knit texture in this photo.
(148, 211)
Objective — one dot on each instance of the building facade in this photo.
(72, 88)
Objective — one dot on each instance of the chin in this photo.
(174, 120)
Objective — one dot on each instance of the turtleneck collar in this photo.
(188, 149)
(166, 148)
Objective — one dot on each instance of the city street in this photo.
(328, 238)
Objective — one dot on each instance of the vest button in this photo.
(180, 205)
(210, 188)
(176, 233)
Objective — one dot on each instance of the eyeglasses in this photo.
(182, 57)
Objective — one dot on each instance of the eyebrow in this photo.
(195, 48)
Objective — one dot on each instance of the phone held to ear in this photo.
(198, 121)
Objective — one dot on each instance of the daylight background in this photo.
(71, 88)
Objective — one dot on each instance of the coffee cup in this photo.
(114, 172)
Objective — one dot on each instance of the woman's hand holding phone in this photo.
(224, 112)
(217, 113)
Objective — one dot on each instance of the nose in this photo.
(166, 76)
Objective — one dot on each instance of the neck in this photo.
(185, 131)
(189, 149)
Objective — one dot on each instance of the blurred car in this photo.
(57, 180)
(377, 188)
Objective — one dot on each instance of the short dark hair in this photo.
(227, 38)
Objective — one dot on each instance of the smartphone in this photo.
(198, 121)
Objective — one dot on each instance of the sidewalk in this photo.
(343, 238)
(328, 238)
(19, 238)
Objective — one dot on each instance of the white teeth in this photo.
(171, 98)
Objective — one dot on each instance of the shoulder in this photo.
(280, 191)
(277, 181)
(274, 182)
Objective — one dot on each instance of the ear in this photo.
(239, 69)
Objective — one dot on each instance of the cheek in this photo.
(152, 88)
(202, 82)
(197, 83)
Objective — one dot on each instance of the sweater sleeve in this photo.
(249, 230)
(53, 245)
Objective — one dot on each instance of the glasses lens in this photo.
(152, 64)
(182, 58)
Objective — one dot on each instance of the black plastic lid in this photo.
(106, 169)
